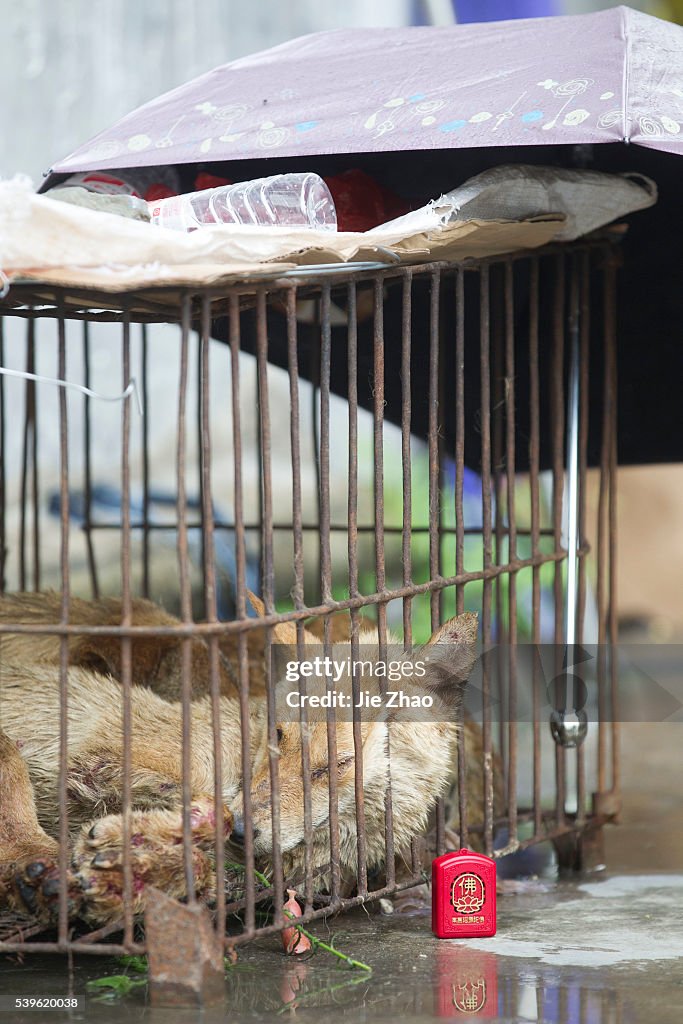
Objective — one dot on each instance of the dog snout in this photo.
(237, 835)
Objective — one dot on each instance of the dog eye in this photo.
(342, 765)
(279, 734)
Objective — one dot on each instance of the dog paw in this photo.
(156, 858)
(35, 885)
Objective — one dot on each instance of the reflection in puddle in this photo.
(465, 983)
(470, 983)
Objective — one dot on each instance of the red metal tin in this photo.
(463, 895)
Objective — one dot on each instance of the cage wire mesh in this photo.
(246, 476)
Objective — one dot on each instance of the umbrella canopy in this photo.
(426, 108)
(616, 75)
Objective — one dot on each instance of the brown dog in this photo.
(422, 759)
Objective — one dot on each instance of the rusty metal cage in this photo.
(331, 507)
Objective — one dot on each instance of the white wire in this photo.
(130, 390)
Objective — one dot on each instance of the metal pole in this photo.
(569, 724)
(572, 489)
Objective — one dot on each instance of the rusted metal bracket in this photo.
(607, 804)
(581, 851)
(184, 953)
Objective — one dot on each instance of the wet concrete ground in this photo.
(603, 949)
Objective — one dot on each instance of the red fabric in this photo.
(158, 191)
(361, 202)
(205, 180)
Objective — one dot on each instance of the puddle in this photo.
(585, 953)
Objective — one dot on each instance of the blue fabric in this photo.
(501, 10)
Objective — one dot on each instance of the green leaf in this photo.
(134, 963)
(114, 984)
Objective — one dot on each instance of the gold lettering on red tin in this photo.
(468, 893)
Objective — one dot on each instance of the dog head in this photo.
(421, 762)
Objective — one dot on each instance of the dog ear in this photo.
(257, 604)
(284, 632)
(450, 654)
(340, 632)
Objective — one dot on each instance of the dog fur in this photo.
(422, 759)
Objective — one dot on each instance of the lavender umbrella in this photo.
(616, 75)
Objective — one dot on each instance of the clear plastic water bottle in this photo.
(283, 200)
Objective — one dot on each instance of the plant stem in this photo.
(318, 943)
(242, 867)
(294, 1003)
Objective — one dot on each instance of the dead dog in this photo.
(420, 768)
